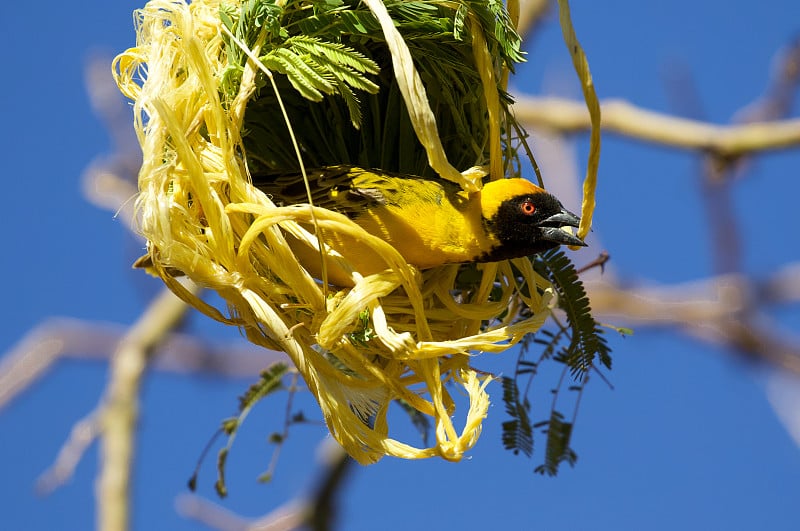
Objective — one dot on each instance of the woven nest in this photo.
(195, 91)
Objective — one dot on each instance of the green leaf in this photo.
(578, 345)
(353, 105)
(307, 81)
(337, 53)
(270, 382)
(361, 336)
(219, 485)
(621, 330)
(587, 341)
(459, 22)
(346, 74)
(558, 450)
(230, 425)
(343, 44)
(517, 432)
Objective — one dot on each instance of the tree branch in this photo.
(568, 116)
(531, 14)
(718, 310)
(119, 408)
(83, 434)
(64, 338)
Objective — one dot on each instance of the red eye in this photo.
(527, 208)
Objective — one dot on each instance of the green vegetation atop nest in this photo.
(334, 54)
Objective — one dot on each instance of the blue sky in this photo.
(686, 439)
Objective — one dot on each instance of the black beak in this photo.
(551, 228)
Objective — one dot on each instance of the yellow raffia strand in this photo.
(581, 65)
(512, 6)
(201, 216)
(416, 99)
(485, 67)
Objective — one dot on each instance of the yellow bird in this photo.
(430, 221)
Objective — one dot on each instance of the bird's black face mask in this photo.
(530, 224)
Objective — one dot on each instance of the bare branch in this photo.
(110, 181)
(83, 434)
(776, 102)
(289, 516)
(531, 13)
(719, 172)
(601, 261)
(119, 408)
(717, 310)
(63, 338)
(783, 394)
(568, 116)
(26, 362)
(782, 287)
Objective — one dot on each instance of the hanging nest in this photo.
(225, 89)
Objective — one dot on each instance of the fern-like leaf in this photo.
(337, 53)
(587, 340)
(270, 380)
(347, 74)
(517, 432)
(353, 105)
(558, 450)
(305, 79)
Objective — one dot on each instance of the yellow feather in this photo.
(430, 222)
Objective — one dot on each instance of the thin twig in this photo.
(287, 422)
(110, 181)
(26, 363)
(83, 434)
(601, 261)
(778, 98)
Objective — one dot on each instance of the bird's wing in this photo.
(346, 189)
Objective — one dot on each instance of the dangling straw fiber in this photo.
(202, 217)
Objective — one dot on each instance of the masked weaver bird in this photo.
(429, 221)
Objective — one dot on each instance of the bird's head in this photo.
(525, 219)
